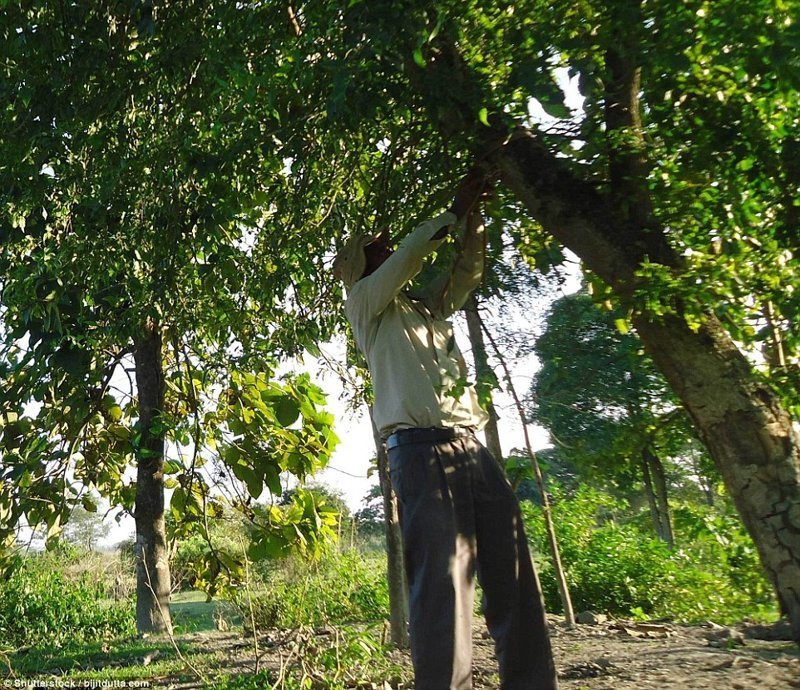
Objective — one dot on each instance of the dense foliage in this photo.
(345, 587)
(615, 564)
(134, 199)
(42, 605)
(600, 397)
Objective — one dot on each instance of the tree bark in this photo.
(395, 563)
(152, 563)
(483, 372)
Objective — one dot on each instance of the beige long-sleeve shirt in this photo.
(418, 373)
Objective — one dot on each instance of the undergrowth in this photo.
(615, 564)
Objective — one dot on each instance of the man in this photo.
(456, 506)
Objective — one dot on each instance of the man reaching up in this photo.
(457, 509)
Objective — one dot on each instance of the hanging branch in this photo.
(563, 589)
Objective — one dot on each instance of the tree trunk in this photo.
(741, 421)
(152, 563)
(395, 564)
(651, 496)
(656, 471)
(705, 485)
(483, 372)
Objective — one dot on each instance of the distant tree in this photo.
(608, 410)
(85, 528)
(370, 517)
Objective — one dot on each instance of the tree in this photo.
(670, 186)
(485, 377)
(86, 527)
(675, 185)
(134, 177)
(395, 558)
(607, 408)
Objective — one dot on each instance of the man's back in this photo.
(418, 373)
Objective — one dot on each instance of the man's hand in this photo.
(469, 192)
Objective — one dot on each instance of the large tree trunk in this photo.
(484, 372)
(152, 563)
(395, 563)
(741, 421)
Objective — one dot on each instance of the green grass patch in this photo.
(192, 613)
(121, 658)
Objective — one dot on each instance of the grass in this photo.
(192, 613)
(223, 660)
(121, 658)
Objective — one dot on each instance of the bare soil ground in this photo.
(610, 655)
(627, 656)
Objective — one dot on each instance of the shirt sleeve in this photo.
(447, 293)
(372, 294)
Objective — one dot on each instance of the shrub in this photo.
(615, 564)
(39, 604)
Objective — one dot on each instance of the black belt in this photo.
(426, 435)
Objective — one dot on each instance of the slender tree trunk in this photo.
(660, 480)
(484, 372)
(656, 471)
(152, 563)
(705, 485)
(395, 564)
(555, 551)
(655, 516)
(774, 351)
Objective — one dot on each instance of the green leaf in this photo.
(273, 480)
(287, 410)
(178, 503)
(251, 478)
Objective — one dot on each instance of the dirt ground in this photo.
(624, 655)
(627, 656)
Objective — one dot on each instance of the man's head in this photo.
(363, 254)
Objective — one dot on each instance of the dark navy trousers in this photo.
(459, 516)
